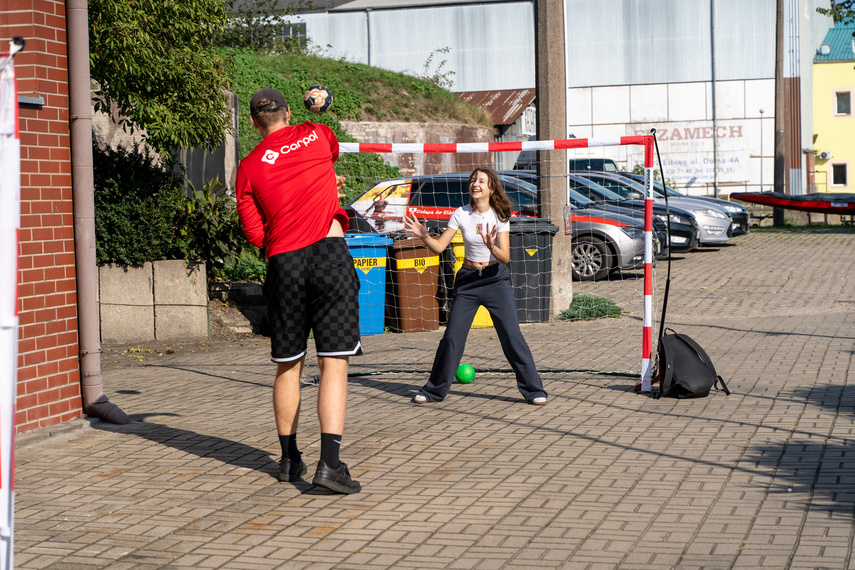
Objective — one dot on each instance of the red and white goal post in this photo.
(10, 199)
(644, 141)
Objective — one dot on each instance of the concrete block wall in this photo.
(161, 300)
(126, 301)
(180, 301)
(427, 163)
(48, 369)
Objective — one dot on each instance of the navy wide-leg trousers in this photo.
(491, 287)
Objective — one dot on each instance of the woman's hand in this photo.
(490, 236)
(414, 226)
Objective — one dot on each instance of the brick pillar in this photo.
(48, 373)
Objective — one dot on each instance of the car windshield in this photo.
(522, 184)
(668, 190)
(620, 184)
(592, 190)
(658, 189)
(522, 194)
(442, 191)
(577, 199)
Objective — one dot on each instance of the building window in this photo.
(839, 175)
(293, 34)
(843, 105)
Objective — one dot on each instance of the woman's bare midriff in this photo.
(477, 264)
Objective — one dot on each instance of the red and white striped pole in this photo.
(647, 314)
(10, 222)
(645, 140)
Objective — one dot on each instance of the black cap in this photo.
(266, 93)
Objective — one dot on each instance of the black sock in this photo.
(289, 447)
(330, 444)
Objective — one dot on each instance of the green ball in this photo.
(465, 373)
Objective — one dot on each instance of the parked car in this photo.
(739, 214)
(714, 223)
(684, 229)
(580, 201)
(432, 198)
(603, 242)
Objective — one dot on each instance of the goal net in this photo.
(582, 266)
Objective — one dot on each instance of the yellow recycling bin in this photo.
(482, 317)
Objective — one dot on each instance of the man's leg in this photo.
(332, 409)
(286, 396)
(286, 409)
(334, 319)
(332, 394)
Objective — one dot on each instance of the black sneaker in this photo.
(295, 470)
(337, 480)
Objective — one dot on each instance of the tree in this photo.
(153, 59)
(841, 11)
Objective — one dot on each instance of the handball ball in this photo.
(317, 99)
(465, 373)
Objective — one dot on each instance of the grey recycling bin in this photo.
(531, 267)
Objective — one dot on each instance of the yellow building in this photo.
(833, 119)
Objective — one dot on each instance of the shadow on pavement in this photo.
(817, 474)
(200, 445)
(225, 450)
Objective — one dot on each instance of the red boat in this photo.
(826, 203)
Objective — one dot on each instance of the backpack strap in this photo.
(668, 371)
(723, 385)
(706, 360)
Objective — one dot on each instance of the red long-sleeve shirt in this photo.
(286, 189)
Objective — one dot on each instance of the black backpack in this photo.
(684, 370)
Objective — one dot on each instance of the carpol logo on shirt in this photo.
(271, 155)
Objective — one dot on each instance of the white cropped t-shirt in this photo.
(470, 224)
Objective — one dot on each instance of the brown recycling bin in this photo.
(413, 278)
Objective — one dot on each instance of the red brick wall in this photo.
(48, 373)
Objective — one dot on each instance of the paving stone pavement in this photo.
(601, 477)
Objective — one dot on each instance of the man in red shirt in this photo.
(287, 199)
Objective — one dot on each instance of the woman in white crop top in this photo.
(484, 280)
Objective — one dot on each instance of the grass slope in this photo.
(360, 93)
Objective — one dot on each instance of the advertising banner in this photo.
(697, 152)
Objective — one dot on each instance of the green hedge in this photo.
(138, 205)
(142, 213)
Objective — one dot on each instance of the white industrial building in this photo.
(701, 72)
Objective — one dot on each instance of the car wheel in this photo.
(591, 259)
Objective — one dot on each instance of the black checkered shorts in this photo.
(313, 289)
